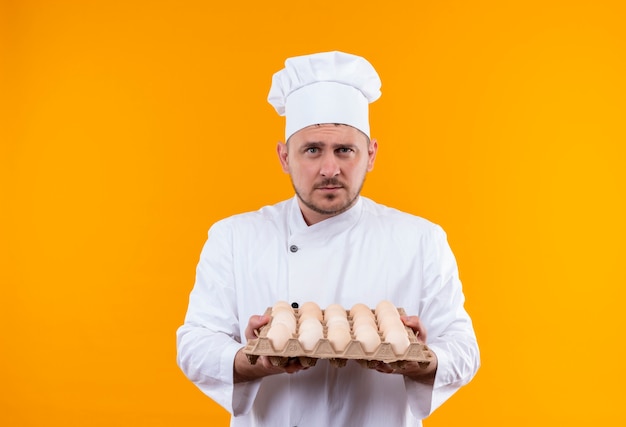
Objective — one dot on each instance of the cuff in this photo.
(242, 395)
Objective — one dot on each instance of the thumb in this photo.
(257, 321)
(415, 323)
(254, 323)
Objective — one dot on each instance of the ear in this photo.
(371, 152)
(283, 151)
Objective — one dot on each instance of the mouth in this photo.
(329, 185)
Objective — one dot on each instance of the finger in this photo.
(254, 324)
(383, 367)
(415, 323)
(294, 365)
(257, 321)
(269, 366)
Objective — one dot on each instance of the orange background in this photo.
(128, 127)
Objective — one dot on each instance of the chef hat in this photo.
(329, 87)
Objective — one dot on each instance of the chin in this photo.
(334, 207)
(326, 205)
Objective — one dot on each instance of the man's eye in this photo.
(312, 150)
(344, 150)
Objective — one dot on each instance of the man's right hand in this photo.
(244, 371)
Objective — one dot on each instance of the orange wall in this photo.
(128, 127)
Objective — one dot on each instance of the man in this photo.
(329, 245)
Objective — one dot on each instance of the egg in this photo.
(311, 309)
(337, 326)
(369, 338)
(392, 328)
(286, 318)
(384, 306)
(283, 308)
(279, 334)
(334, 310)
(283, 312)
(399, 340)
(310, 332)
(339, 338)
(311, 324)
(281, 304)
(288, 310)
(389, 320)
(356, 329)
(338, 321)
(363, 320)
(309, 315)
(360, 308)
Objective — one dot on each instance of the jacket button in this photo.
(293, 248)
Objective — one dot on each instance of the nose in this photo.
(329, 166)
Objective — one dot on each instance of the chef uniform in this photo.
(366, 254)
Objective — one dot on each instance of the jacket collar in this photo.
(332, 225)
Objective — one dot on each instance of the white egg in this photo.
(364, 327)
(399, 326)
(310, 315)
(285, 318)
(285, 309)
(360, 308)
(338, 321)
(311, 309)
(369, 338)
(363, 320)
(278, 334)
(399, 340)
(309, 337)
(334, 309)
(312, 325)
(385, 306)
(389, 320)
(282, 304)
(339, 338)
(282, 311)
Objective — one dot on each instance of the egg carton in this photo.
(262, 346)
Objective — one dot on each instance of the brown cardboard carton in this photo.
(262, 346)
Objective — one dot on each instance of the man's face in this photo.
(327, 164)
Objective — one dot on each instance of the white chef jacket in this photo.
(364, 255)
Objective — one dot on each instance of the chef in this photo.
(329, 245)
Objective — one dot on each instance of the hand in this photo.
(415, 323)
(243, 370)
(412, 369)
(254, 324)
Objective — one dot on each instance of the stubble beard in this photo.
(329, 212)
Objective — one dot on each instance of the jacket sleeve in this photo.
(449, 328)
(210, 336)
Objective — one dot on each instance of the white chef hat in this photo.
(328, 87)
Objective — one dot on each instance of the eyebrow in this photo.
(310, 144)
(318, 144)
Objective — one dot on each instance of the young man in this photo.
(328, 245)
